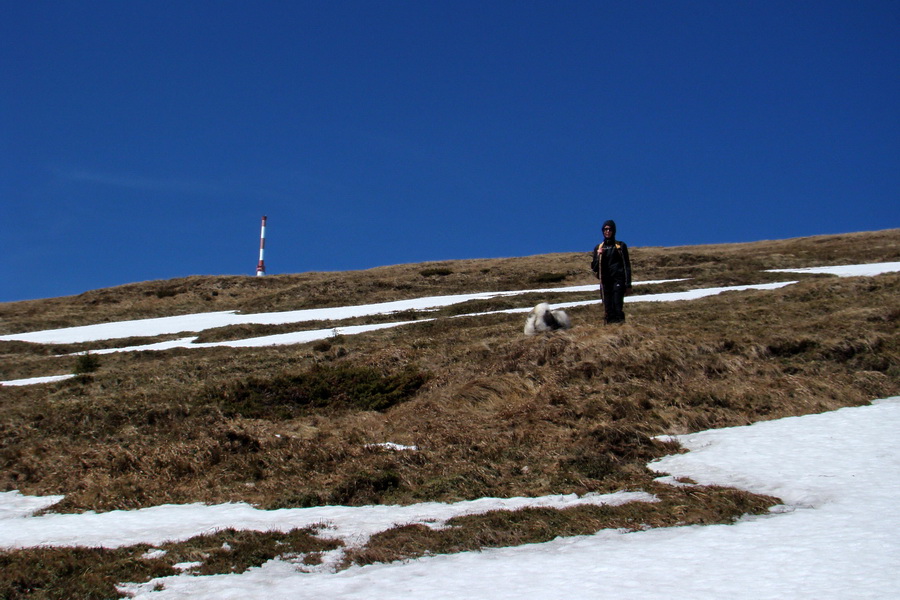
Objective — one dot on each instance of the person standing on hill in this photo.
(612, 266)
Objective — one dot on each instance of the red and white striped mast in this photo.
(261, 267)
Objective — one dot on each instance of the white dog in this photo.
(541, 319)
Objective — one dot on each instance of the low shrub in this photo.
(366, 487)
(549, 278)
(323, 387)
(438, 271)
(86, 363)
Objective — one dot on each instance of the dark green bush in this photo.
(366, 487)
(322, 388)
(86, 363)
(441, 272)
(549, 278)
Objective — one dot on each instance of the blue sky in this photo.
(144, 140)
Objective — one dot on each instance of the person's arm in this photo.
(627, 261)
(595, 261)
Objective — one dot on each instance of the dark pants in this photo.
(614, 302)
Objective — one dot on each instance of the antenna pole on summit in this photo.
(261, 266)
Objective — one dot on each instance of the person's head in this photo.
(609, 230)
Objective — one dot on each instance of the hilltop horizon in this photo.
(274, 273)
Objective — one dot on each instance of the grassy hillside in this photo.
(492, 412)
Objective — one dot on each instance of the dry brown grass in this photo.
(497, 414)
(700, 505)
(93, 573)
(723, 264)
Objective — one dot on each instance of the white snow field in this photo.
(869, 270)
(836, 535)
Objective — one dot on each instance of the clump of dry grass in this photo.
(695, 505)
(88, 573)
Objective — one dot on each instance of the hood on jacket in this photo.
(611, 224)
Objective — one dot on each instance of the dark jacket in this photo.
(610, 262)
